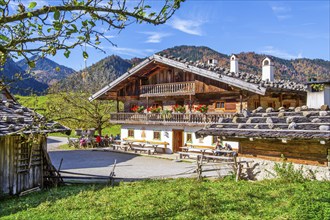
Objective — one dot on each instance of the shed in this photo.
(24, 161)
(301, 135)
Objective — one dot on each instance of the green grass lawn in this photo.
(176, 199)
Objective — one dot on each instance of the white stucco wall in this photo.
(315, 99)
(167, 134)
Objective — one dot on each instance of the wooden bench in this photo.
(195, 148)
(144, 149)
(119, 146)
(220, 158)
(187, 154)
(160, 144)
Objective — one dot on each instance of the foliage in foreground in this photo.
(178, 199)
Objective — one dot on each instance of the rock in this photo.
(281, 115)
(19, 111)
(7, 119)
(292, 126)
(307, 114)
(281, 108)
(8, 105)
(269, 120)
(289, 120)
(271, 125)
(246, 113)
(259, 109)
(316, 120)
(304, 108)
(324, 107)
(235, 118)
(298, 109)
(269, 110)
(20, 119)
(11, 127)
(324, 128)
(323, 113)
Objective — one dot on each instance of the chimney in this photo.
(233, 64)
(267, 70)
(212, 62)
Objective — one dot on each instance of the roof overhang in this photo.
(255, 88)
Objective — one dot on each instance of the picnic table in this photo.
(224, 152)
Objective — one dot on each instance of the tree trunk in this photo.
(99, 130)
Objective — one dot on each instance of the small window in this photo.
(266, 63)
(220, 104)
(131, 133)
(188, 137)
(156, 135)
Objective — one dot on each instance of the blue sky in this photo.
(287, 29)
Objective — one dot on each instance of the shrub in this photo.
(286, 171)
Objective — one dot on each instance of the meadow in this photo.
(176, 199)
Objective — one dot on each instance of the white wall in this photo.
(167, 134)
(315, 99)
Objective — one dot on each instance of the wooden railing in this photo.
(208, 118)
(179, 88)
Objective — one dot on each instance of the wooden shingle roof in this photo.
(16, 119)
(298, 123)
(245, 81)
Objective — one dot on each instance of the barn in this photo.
(24, 161)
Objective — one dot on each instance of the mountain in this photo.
(18, 81)
(110, 68)
(296, 69)
(46, 70)
(98, 74)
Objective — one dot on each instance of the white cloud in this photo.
(270, 50)
(281, 12)
(188, 26)
(155, 37)
(131, 52)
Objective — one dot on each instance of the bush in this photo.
(286, 171)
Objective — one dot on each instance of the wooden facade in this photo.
(24, 161)
(22, 164)
(297, 151)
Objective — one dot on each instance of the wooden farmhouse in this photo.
(167, 99)
(24, 161)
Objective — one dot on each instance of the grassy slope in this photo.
(176, 199)
(39, 102)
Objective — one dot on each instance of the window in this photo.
(188, 137)
(156, 135)
(220, 104)
(131, 133)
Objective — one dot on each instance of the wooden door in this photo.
(177, 140)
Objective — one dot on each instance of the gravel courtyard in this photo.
(129, 166)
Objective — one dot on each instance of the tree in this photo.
(73, 109)
(31, 29)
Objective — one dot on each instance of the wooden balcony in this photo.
(168, 89)
(173, 118)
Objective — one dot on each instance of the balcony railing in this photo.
(166, 89)
(136, 118)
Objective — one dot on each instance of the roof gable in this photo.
(245, 81)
